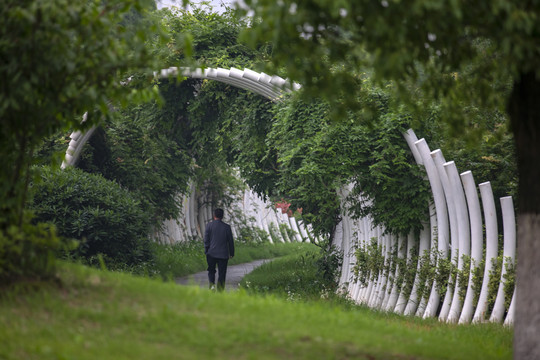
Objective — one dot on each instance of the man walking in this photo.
(219, 248)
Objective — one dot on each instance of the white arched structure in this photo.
(195, 210)
(454, 231)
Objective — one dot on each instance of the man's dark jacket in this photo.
(218, 240)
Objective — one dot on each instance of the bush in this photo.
(104, 217)
(28, 251)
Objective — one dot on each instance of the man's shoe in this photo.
(212, 287)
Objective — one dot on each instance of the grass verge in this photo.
(94, 314)
(297, 276)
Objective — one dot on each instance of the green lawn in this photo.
(94, 314)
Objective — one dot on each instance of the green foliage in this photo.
(60, 59)
(205, 38)
(434, 49)
(463, 276)
(275, 234)
(445, 273)
(317, 157)
(369, 262)
(29, 252)
(143, 150)
(509, 281)
(308, 274)
(106, 219)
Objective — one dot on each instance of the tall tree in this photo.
(58, 60)
(465, 55)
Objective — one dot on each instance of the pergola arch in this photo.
(271, 87)
(454, 225)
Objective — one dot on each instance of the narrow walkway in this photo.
(235, 273)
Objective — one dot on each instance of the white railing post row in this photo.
(439, 161)
(476, 242)
(509, 253)
(490, 218)
(440, 234)
(464, 235)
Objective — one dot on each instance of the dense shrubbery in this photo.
(28, 251)
(301, 276)
(104, 217)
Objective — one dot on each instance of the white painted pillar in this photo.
(439, 224)
(439, 162)
(402, 300)
(464, 234)
(477, 245)
(392, 248)
(414, 301)
(492, 237)
(509, 254)
(401, 254)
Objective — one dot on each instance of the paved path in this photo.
(235, 273)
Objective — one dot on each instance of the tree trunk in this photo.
(524, 111)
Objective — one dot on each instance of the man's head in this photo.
(218, 214)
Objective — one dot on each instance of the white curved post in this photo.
(440, 227)
(509, 254)
(391, 242)
(347, 249)
(361, 235)
(356, 230)
(401, 254)
(439, 161)
(384, 277)
(463, 231)
(477, 245)
(509, 320)
(366, 226)
(490, 216)
(413, 302)
(411, 139)
(377, 282)
(402, 299)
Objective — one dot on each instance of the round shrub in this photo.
(106, 218)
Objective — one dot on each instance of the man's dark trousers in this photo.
(222, 270)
